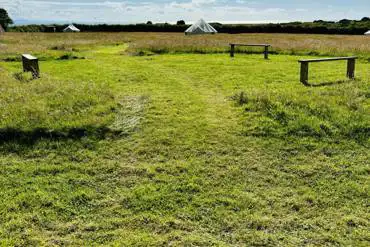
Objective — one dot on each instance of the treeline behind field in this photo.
(352, 27)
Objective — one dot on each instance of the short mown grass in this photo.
(183, 150)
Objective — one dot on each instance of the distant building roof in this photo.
(71, 28)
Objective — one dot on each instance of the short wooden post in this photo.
(266, 52)
(351, 64)
(232, 50)
(31, 64)
(304, 73)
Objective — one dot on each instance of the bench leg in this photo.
(266, 52)
(33, 67)
(351, 64)
(232, 50)
(304, 73)
(35, 71)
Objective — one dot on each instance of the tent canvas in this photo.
(71, 28)
(201, 27)
(367, 33)
(2, 29)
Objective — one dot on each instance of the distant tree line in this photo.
(344, 26)
(317, 27)
(149, 27)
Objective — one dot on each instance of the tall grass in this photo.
(340, 115)
(176, 42)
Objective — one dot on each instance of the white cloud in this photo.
(130, 11)
(192, 4)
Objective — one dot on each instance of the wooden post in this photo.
(232, 50)
(304, 73)
(31, 64)
(266, 52)
(351, 64)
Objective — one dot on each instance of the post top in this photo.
(29, 57)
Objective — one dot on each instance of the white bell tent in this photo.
(71, 29)
(201, 27)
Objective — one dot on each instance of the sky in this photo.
(224, 11)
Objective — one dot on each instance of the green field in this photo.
(112, 147)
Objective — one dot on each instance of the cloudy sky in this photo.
(135, 11)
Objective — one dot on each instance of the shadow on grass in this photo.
(69, 57)
(332, 83)
(29, 138)
(24, 77)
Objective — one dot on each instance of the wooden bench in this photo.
(351, 62)
(31, 64)
(266, 46)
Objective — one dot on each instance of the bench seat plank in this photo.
(29, 57)
(262, 45)
(265, 52)
(326, 59)
(351, 65)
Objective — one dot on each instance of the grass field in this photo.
(114, 145)
(162, 43)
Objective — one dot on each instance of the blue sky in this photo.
(136, 11)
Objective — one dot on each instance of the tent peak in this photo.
(71, 28)
(201, 27)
